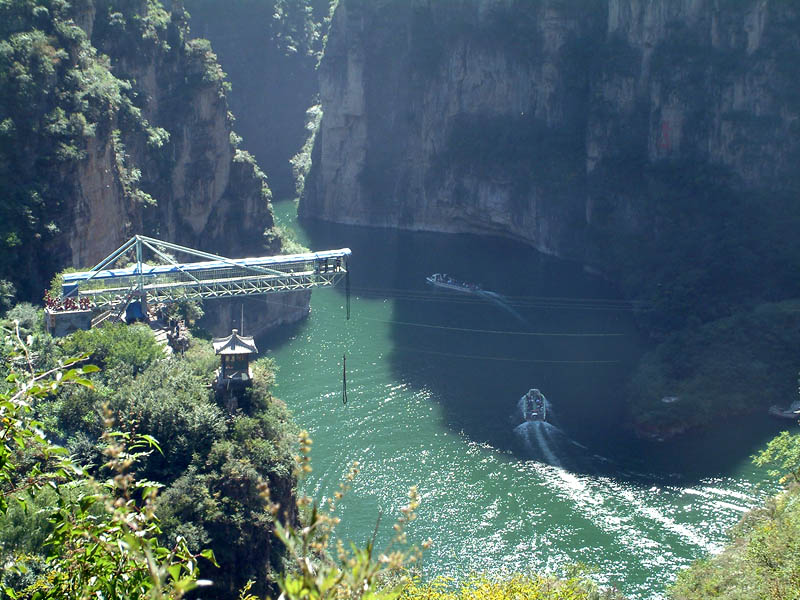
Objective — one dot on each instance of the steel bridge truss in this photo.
(213, 277)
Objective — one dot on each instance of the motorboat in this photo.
(534, 405)
(443, 280)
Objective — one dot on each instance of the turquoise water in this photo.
(433, 386)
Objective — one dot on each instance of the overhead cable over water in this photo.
(509, 359)
(501, 332)
(476, 330)
(550, 302)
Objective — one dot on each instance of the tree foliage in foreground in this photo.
(104, 536)
(530, 587)
(355, 572)
(782, 454)
(762, 561)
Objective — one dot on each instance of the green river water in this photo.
(434, 380)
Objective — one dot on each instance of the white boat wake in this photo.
(534, 433)
(500, 301)
(544, 442)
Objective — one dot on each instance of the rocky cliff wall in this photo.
(269, 50)
(544, 121)
(654, 140)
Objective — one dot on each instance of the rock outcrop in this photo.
(269, 51)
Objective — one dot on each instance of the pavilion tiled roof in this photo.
(234, 344)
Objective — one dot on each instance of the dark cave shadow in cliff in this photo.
(478, 376)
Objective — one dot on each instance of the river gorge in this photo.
(619, 178)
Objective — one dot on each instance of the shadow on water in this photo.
(286, 334)
(567, 333)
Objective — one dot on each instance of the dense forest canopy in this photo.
(211, 466)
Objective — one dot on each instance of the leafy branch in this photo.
(357, 573)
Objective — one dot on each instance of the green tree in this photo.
(7, 294)
(783, 455)
(190, 311)
(131, 348)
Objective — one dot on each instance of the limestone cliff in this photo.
(269, 50)
(545, 121)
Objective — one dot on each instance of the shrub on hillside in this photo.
(100, 537)
(739, 364)
(175, 407)
(29, 317)
(762, 562)
(131, 348)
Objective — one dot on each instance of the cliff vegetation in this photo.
(56, 93)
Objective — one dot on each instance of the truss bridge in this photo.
(210, 276)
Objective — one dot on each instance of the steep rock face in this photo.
(269, 51)
(424, 110)
(544, 121)
(260, 313)
(699, 81)
(100, 208)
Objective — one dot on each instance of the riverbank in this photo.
(698, 377)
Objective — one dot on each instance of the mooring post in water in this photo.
(344, 378)
(347, 285)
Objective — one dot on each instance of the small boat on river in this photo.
(793, 412)
(443, 280)
(535, 405)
